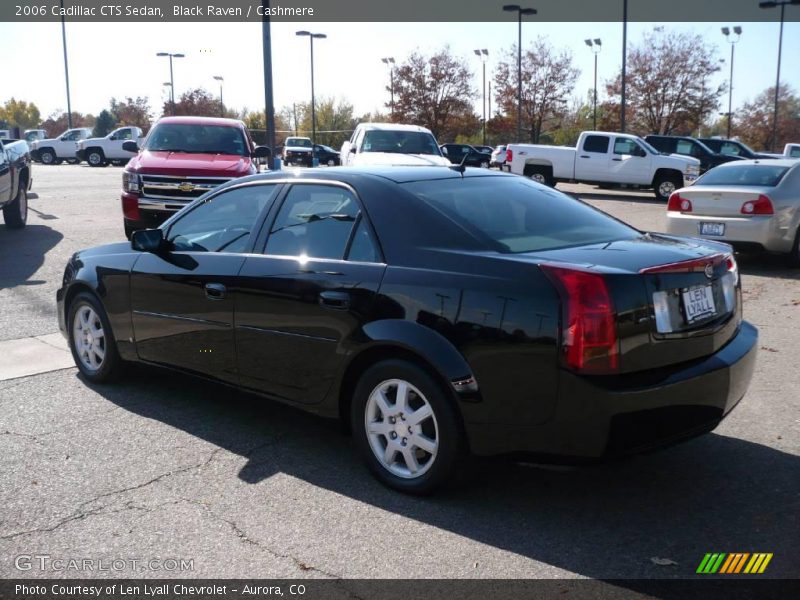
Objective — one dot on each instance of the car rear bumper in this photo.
(600, 417)
(760, 230)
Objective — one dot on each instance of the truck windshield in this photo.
(400, 142)
(197, 139)
(298, 142)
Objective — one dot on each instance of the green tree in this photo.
(104, 124)
(19, 113)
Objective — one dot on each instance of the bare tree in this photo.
(548, 78)
(436, 92)
(132, 111)
(754, 123)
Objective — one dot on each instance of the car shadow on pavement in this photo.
(766, 265)
(24, 251)
(627, 519)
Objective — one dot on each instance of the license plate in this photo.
(698, 303)
(712, 228)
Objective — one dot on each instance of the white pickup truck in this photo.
(98, 152)
(605, 159)
(63, 147)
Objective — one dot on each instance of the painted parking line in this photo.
(34, 355)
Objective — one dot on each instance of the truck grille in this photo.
(166, 187)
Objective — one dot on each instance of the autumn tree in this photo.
(548, 77)
(436, 92)
(57, 123)
(668, 85)
(132, 111)
(198, 102)
(19, 113)
(754, 122)
(104, 124)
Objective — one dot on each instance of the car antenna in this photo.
(462, 166)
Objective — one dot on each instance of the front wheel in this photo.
(95, 158)
(665, 185)
(15, 213)
(48, 157)
(794, 255)
(405, 427)
(484, 164)
(91, 341)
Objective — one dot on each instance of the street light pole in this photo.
(624, 60)
(171, 77)
(773, 4)
(737, 31)
(520, 11)
(596, 43)
(311, 37)
(66, 65)
(220, 78)
(389, 61)
(483, 54)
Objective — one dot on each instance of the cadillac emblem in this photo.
(709, 270)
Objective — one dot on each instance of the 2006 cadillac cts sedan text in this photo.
(439, 313)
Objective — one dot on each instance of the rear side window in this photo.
(760, 175)
(795, 152)
(595, 143)
(512, 214)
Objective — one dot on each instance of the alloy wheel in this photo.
(665, 188)
(88, 337)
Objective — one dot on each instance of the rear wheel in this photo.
(91, 340)
(484, 164)
(664, 185)
(15, 213)
(540, 174)
(47, 156)
(794, 256)
(405, 427)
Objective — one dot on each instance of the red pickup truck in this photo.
(180, 159)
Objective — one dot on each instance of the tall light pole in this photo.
(389, 61)
(220, 78)
(595, 46)
(171, 77)
(483, 54)
(66, 65)
(311, 37)
(520, 11)
(732, 40)
(773, 4)
(269, 104)
(624, 61)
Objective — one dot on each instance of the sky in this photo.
(119, 59)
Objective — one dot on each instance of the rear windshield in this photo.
(759, 175)
(513, 214)
(202, 139)
(400, 142)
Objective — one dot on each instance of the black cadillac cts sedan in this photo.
(438, 313)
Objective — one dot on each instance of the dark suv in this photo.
(733, 148)
(455, 153)
(687, 146)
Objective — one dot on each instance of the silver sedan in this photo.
(752, 204)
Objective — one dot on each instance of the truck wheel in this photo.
(664, 185)
(540, 174)
(15, 213)
(484, 164)
(47, 156)
(95, 158)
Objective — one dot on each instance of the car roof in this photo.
(393, 127)
(772, 162)
(201, 121)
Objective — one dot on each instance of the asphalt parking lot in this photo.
(163, 466)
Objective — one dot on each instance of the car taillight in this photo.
(760, 206)
(733, 268)
(677, 203)
(589, 340)
(509, 155)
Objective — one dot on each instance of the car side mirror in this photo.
(262, 152)
(444, 151)
(352, 149)
(639, 152)
(130, 146)
(147, 240)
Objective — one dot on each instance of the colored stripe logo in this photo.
(734, 563)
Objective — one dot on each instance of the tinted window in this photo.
(400, 142)
(298, 142)
(595, 143)
(795, 152)
(626, 146)
(729, 149)
(315, 221)
(761, 175)
(223, 223)
(661, 144)
(689, 148)
(71, 136)
(203, 139)
(362, 248)
(516, 215)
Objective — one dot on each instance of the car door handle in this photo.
(215, 291)
(617, 159)
(584, 156)
(335, 300)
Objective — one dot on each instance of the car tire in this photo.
(388, 443)
(484, 164)
(15, 213)
(540, 174)
(793, 258)
(129, 230)
(91, 340)
(664, 185)
(331, 162)
(96, 158)
(48, 157)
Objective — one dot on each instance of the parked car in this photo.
(64, 147)
(608, 159)
(180, 159)
(479, 148)
(391, 144)
(752, 204)
(100, 151)
(458, 153)
(489, 314)
(32, 135)
(298, 151)
(733, 148)
(15, 181)
(498, 157)
(326, 155)
(791, 151)
(687, 146)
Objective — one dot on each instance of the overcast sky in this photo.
(119, 59)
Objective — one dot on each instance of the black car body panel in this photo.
(688, 146)
(456, 153)
(486, 323)
(733, 148)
